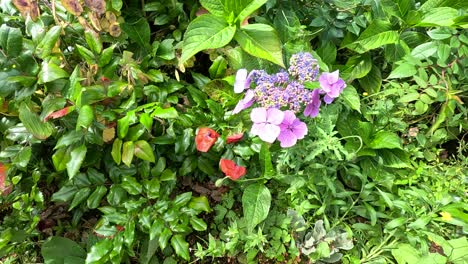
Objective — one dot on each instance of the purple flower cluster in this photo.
(285, 90)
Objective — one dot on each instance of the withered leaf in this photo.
(95, 21)
(73, 6)
(108, 134)
(114, 30)
(27, 7)
(98, 6)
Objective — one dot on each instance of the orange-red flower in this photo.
(234, 138)
(205, 138)
(231, 169)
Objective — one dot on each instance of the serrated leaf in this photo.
(377, 34)
(440, 16)
(206, 32)
(180, 246)
(244, 8)
(261, 40)
(256, 202)
(77, 156)
(144, 151)
(395, 158)
(215, 7)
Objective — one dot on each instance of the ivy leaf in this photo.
(206, 32)
(261, 40)
(77, 156)
(180, 246)
(256, 202)
(144, 151)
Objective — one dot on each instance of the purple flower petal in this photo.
(312, 109)
(269, 133)
(275, 116)
(246, 102)
(258, 115)
(257, 128)
(327, 99)
(287, 139)
(289, 117)
(299, 129)
(241, 81)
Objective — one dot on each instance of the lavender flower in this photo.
(244, 103)
(312, 109)
(331, 85)
(292, 129)
(303, 67)
(266, 123)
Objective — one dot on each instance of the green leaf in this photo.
(206, 32)
(164, 236)
(33, 123)
(256, 202)
(431, 4)
(144, 151)
(93, 40)
(440, 16)
(146, 120)
(99, 251)
(85, 54)
(128, 150)
(131, 185)
(65, 194)
(11, 40)
(85, 117)
(215, 7)
(395, 158)
(265, 162)
(218, 68)
(200, 204)
(44, 48)
(95, 198)
(405, 253)
(139, 31)
(372, 82)
(79, 197)
(182, 199)
(180, 246)
(424, 50)
(351, 98)
(56, 250)
(377, 34)
(60, 159)
(165, 113)
(359, 66)
(198, 223)
(395, 223)
(117, 150)
(261, 40)
(77, 156)
(402, 71)
(245, 7)
(50, 72)
(421, 222)
(385, 140)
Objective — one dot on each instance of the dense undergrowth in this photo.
(162, 131)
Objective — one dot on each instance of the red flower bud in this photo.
(205, 139)
(231, 169)
(234, 138)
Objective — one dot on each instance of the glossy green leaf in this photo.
(65, 194)
(182, 199)
(44, 48)
(34, 124)
(11, 40)
(402, 71)
(164, 237)
(60, 159)
(69, 138)
(261, 40)
(256, 202)
(85, 117)
(200, 204)
(50, 72)
(95, 198)
(385, 140)
(147, 121)
(117, 150)
(77, 156)
(206, 32)
(198, 223)
(56, 250)
(424, 50)
(131, 185)
(144, 151)
(372, 82)
(395, 223)
(79, 197)
(165, 113)
(99, 251)
(440, 16)
(218, 68)
(93, 40)
(265, 161)
(377, 34)
(180, 246)
(359, 66)
(85, 54)
(243, 8)
(351, 98)
(106, 56)
(128, 150)
(215, 7)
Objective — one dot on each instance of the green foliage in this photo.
(101, 101)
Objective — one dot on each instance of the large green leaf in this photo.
(206, 32)
(139, 31)
(402, 71)
(372, 81)
(440, 16)
(385, 140)
(424, 50)
(243, 8)
(376, 35)
(50, 72)
(144, 151)
(77, 156)
(34, 124)
(432, 4)
(256, 202)
(215, 7)
(180, 246)
(99, 251)
(44, 48)
(60, 250)
(85, 117)
(11, 40)
(261, 40)
(351, 98)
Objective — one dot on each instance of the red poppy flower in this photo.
(205, 138)
(231, 169)
(234, 138)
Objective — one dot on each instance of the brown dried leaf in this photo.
(73, 6)
(95, 21)
(98, 6)
(114, 30)
(27, 7)
(108, 134)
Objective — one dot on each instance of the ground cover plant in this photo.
(240, 131)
